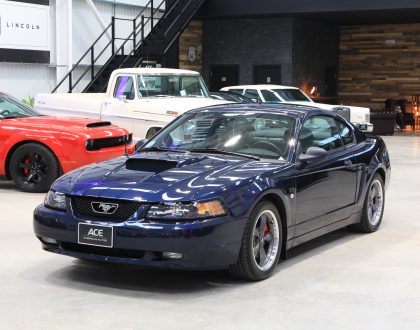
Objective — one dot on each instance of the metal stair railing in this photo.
(90, 53)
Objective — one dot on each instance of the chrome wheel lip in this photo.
(267, 243)
(375, 203)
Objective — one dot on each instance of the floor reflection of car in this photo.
(232, 186)
(229, 96)
(36, 149)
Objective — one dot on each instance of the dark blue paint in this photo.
(314, 199)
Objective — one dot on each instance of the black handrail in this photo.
(81, 59)
(90, 50)
(137, 36)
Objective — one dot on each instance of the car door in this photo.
(325, 189)
(119, 107)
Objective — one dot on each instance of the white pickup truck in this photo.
(287, 94)
(142, 100)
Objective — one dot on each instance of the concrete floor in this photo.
(340, 281)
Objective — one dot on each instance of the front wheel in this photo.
(261, 244)
(33, 168)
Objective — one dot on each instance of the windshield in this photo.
(284, 95)
(12, 108)
(262, 135)
(171, 85)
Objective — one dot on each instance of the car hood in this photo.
(61, 127)
(163, 176)
(62, 124)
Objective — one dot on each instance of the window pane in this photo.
(320, 131)
(258, 134)
(252, 94)
(345, 132)
(124, 87)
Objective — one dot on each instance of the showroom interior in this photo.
(77, 58)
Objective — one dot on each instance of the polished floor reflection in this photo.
(343, 280)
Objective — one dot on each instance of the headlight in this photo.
(186, 211)
(55, 200)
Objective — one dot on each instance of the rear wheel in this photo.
(373, 207)
(261, 244)
(33, 168)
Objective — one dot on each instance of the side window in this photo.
(345, 132)
(237, 91)
(320, 131)
(269, 96)
(252, 94)
(124, 86)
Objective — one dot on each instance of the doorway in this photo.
(222, 76)
(330, 81)
(267, 74)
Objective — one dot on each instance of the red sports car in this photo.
(35, 150)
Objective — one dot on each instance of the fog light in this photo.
(48, 240)
(172, 255)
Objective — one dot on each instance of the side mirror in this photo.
(312, 154)
(122, 98)
(140, 144)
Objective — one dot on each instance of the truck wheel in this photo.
(33, 168)
(261, 244)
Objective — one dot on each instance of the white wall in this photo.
(23, 80)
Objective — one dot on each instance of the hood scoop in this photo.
(149, 165)
(99, 124)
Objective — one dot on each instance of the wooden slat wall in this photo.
(379, 62)
(191, 37)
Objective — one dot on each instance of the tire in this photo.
(33, 168)
(264, 221)
(373, 207)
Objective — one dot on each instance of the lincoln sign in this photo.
(25, 31)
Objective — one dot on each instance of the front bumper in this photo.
(209, 244)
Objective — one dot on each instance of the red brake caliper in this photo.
(26, 169)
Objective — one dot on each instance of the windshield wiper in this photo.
(223, 152)
(163, 149)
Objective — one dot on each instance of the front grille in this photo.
(102, 251)
(97, 144)
(83, 206)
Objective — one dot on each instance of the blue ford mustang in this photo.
(232, 186)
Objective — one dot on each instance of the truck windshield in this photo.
(284, 95)
(12, 108)
(171, 85)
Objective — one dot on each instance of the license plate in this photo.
(363, 127)
(95, 235)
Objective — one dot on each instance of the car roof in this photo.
(293, 110)
(155, 71)
(266, 86)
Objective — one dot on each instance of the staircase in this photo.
(151, 39)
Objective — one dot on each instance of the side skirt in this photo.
(354, 218)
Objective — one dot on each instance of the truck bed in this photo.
(74, 104)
